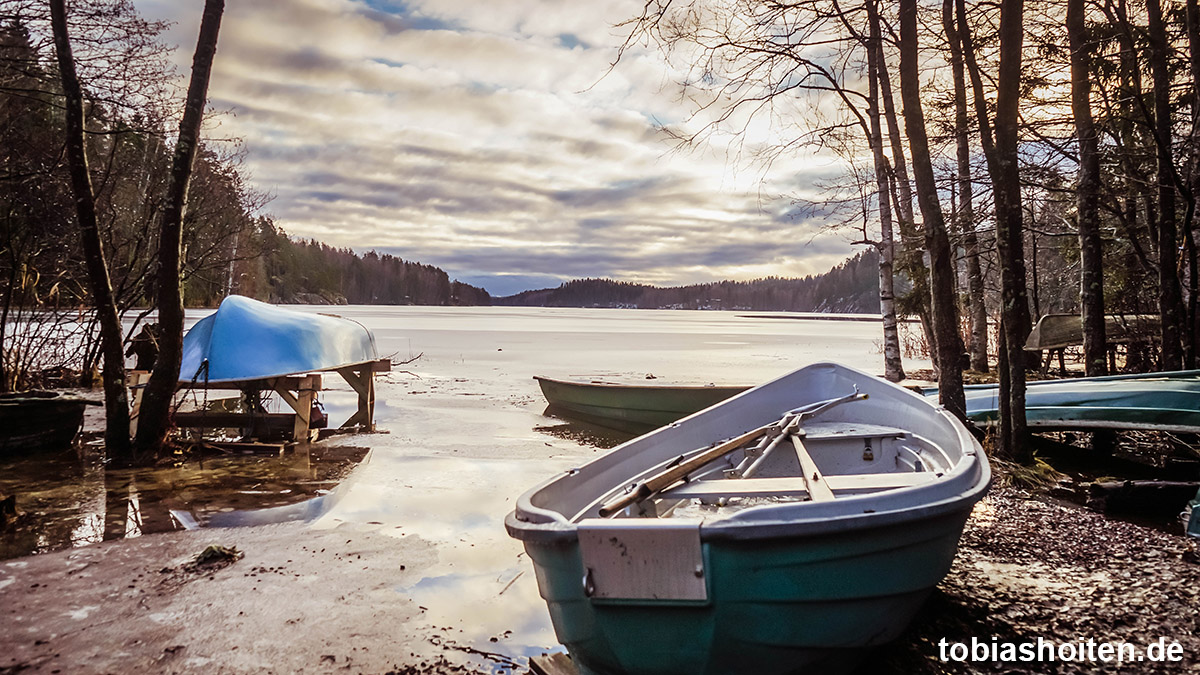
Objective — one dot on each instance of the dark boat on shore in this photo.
(39, 421)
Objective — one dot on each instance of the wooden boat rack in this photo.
(298, 391)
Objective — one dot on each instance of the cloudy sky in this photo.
(488, 138)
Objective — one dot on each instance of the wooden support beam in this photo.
(136, 380)
(818, 489)
(301, 402)
(362, 380)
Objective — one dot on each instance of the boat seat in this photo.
(826, 431)
(797, 487)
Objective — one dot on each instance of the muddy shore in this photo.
(406, 568)
(312, 601)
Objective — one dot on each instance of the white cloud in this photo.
(489, 139)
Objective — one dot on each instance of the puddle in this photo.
(479, 566)
(70, 499)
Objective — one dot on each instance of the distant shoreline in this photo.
(824, 317)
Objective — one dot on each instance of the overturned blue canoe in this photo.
(250, 340)
(1168, 401)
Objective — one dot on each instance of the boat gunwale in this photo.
(595, 384)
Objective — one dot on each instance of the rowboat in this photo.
(39, 421)
(250, 340)
(1168, 401)
(634, 408)
(785, 530)
(1056, 331)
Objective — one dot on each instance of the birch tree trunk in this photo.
(154, 419)
(892, 365)
(902, 192)
(116, 397)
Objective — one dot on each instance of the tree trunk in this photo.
(910, 251)
(1001, 154)
(1193, 327)
(153, 422)
(944, 310)
(116, 397)
(1091, 251)
(1170, 295)
(976, 306)
(1009, 230)
(893, 368)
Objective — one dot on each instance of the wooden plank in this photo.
(796, 486)
(740, 487)
(877, 482)
(818, 489)
(290, 382)
(355, 378)
(553, 664)
(249, 448)
(228, 420)
(136, 380)
(821, 431)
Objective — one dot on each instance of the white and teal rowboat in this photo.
(785, 530)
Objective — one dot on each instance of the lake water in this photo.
(464, 436)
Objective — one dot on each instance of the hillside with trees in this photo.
(849, 287)
(227, 244)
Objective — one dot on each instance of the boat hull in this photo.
(797, 604)
(246, 340)
(1147, 402)
(629, 408)
(39, 422)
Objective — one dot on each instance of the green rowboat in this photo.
(632, 408)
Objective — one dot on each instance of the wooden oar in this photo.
(676, 472)
(670, 476)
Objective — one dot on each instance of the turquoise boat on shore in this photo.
(786, 530)
(1168, 401)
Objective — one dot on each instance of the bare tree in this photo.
(965, 214)
(1170, 296)
(947, 340)
(116, 397)
(737, 57)
(893, 368)
(154, 418)
(1091, 277)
